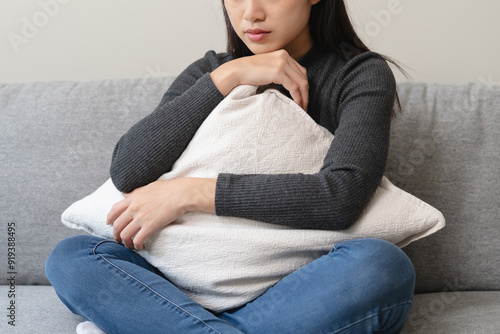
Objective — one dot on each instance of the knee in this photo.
(394, 265)
(61, 262)
(384, 264)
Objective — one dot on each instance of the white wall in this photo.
(43, 40)
(447, 41)
(99, 39)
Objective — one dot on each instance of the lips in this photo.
(256, 35)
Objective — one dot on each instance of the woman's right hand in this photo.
(276, 67)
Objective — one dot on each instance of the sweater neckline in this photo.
(314, 59)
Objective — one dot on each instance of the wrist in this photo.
(200, 195)
(225, 78)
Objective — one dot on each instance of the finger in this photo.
(295, 91)
(140, 238)
(299, 89)
(299, 68)
(116, 210)
(303, 70)
(144, 233)
(299, 84)
(128, 233)
(304, 86)
(120, 224)
(304, 90)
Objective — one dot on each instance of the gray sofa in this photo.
(56, 141)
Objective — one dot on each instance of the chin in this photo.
(260, 49)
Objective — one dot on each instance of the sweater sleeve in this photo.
(361, 100)
(150, 148)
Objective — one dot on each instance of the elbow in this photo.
(347, 219)
(343, 216)
(126, 181)
(129, 172)
(121, 174)
(347, 201)
(120, 182)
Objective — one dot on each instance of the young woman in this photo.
(310, 50)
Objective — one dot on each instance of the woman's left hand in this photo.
(147, 209)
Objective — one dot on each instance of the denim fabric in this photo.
(360, 286)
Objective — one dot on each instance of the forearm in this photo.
(151, 147)
(328, 201)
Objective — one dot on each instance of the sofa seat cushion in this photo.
(38, 310)
(455, 312)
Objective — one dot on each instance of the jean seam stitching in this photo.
(149, 288)
(333, 250)
(371, 316)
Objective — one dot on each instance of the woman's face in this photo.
(270, 25)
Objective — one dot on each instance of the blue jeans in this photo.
(360, 286)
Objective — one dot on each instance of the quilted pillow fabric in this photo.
(225, 262)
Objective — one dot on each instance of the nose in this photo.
(254, 11)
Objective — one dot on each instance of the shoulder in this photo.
(368, 69)
(367, 74)
(197, 70)
(361, 87)
(196, 75)
(333, 74)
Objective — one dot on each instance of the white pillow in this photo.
(225, 262)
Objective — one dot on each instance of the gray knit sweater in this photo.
(351, 98)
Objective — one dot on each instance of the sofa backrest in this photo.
(445, 149)
(56, 141)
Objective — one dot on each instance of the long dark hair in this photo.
(331, 30)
